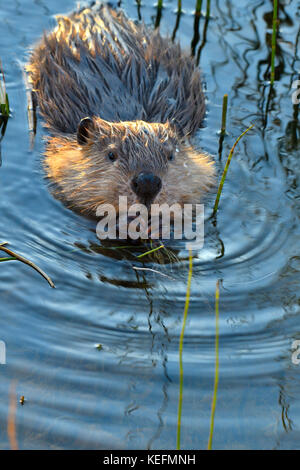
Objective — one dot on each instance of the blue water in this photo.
(124, 394)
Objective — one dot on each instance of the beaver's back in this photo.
(98, 63)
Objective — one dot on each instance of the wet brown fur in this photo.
(144, 96)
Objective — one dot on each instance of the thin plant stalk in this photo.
(159, 13)
(216, 382)
(4, 103)
(198, 7)
(226, 169)
(29, 263)
(224, 114)
(11, 419)
(179, 6)
(150, 251)
(208, 8)
(274, 34)
(139, 4)
(204, 34)
(186, 308)
(136, 268)
(196, 35)
(178, 15)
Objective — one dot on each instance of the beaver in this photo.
(121, 103)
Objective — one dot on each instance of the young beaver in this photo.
(120, 103)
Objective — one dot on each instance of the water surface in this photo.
(124, 393)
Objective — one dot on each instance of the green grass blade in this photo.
(150, 251)
(226, 169)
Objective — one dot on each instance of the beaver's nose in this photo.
(146, 186)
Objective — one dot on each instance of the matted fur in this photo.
(145, 97)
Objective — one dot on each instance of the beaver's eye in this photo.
(112, 156)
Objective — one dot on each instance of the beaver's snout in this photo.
(146, 186)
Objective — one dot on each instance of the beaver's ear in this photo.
(84, 129)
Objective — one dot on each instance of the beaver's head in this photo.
(147, 162)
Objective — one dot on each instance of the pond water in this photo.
(124, 393)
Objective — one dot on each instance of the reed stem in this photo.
(4, 102)
(224, 114)
(216, 382)
(159, 13)
(186, 308)
(198, 7)
(208, 8)
(274, 34)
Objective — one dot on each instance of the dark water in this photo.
(126, 394)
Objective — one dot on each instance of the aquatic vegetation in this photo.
(4, 103)
(208, 8)
(150, 251)
(224, 114)
(216, 382)
(178, 16)
(159, 13)
(205, 28)
(274, 34)
(4, 116)
(11, 417)
(185, 313)
(223, 125)
(198, 7)
(139, 4)
(15, 257)
(226, 169)
(137, 268)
